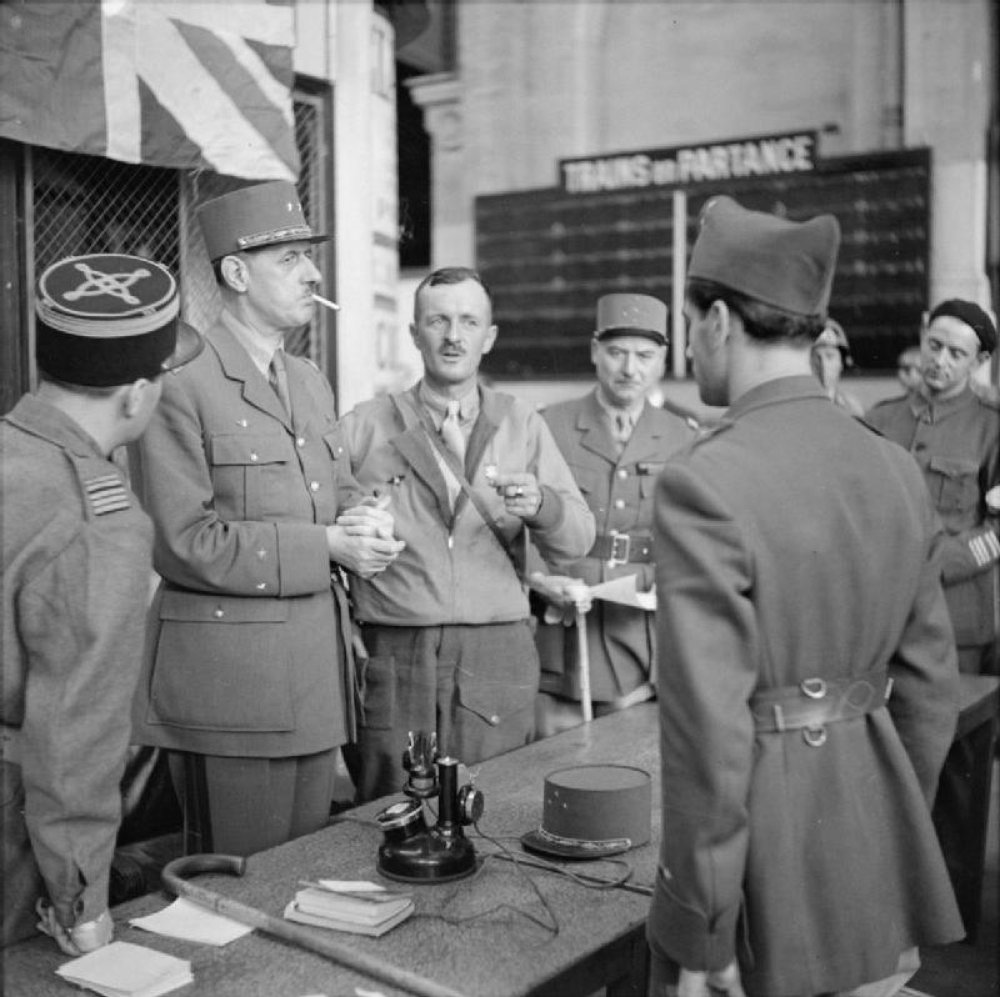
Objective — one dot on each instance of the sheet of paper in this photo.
(121, 969)
(187, 920)
(351, 885)
(623, 590)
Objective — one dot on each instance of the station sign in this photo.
(680, 166)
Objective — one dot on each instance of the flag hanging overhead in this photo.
(162, 82)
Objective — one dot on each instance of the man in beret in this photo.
(76, 568)
(248, 681)
(615, 443)
(798, 854)
(954, 434)
(953, 431)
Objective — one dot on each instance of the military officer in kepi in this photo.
(248, 680)
(615, 442)
(77, 563)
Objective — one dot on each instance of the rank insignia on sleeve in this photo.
(107, 493)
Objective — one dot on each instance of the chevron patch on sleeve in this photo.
(985, 548)
(107, 493)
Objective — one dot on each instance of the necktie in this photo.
(451, 432)
(623, 429)
(277, 377)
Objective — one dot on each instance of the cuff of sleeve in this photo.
(550, 512)
(685, 935)
(303, 559)
(88, 905)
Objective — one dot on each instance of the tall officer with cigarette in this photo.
(248, 679)
(806, 706)
(76, 567)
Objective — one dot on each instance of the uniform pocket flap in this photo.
(197, 607)
(234, 449)
(335, 444)
(494, 702)
(953, 467)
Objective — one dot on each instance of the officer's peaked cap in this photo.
(263, 214)
(631, 315)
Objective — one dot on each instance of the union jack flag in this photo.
(162, 82)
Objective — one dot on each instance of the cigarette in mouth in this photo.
(332, 305)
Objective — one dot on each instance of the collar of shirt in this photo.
(437, 405)
(937, 410)
(612, 412)
(260, 348)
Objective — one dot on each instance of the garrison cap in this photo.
(631, 315)
(264, 214)
(973, 316)
(108, 319)
(788, 265)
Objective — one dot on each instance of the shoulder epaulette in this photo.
(106, 494)
(708, 432)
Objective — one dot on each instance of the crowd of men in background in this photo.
(425, 562)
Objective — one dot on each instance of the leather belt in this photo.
(623, 548)
(815, 702)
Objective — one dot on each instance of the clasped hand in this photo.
(362, 539)
(565, 596)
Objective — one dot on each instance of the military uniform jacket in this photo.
(775, 536)
(957, 445)
(76, 576)
(618, 490)
(454, 569)
(245, 652)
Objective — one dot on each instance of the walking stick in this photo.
(174, 880)
(583, 662)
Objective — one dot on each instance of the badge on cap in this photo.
(108, 319)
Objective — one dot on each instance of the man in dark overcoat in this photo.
(806, 706)
(247, 680)
(615, 442)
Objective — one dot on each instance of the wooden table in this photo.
(466, 934)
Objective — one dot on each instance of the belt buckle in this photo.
(616, 558)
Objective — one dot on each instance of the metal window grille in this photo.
(88, 204)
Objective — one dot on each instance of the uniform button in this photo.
(314, 485)
(494, 720)
(622, 473)
(218, 613)
(340, 450)
(242, 423)
(262, 553)
(301, 441)
(261, 586)
(619, 503)
(253, 457)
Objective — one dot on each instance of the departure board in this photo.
(548, 255)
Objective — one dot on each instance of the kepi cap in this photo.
(973, 316)
(264, 214)
(108, 319)
(631, 315)
(591, 811)
(785, 264)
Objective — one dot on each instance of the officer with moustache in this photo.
(76, 567)
(615, 443)
(798, 855)
(248, 681)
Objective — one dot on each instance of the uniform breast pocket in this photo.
(954, 484)
(249, 475)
